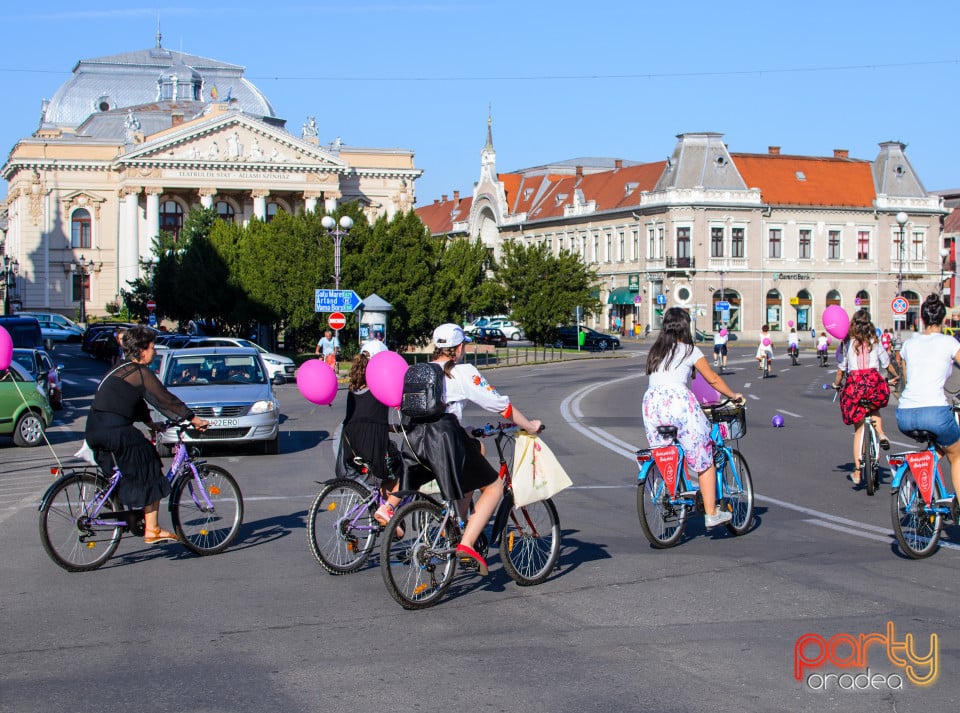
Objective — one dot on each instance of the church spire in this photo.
(159, 36)
(489, 127)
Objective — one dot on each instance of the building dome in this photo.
(133, 79)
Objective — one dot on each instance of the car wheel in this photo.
(29, 430)
(515, 337)
(279, 379)
(272, 447)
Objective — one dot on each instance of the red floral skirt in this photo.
(866, 384)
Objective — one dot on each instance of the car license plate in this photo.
(224, 422)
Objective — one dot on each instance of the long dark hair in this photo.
(675, 331)
(862, 332)
(933, 311)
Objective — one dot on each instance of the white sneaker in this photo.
(719, 518)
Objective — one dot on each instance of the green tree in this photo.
(544, 289)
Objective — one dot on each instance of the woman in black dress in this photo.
(121, 401)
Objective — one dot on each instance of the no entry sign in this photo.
(337, 321)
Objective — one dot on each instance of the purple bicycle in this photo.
(81, 520)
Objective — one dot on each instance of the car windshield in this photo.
(204, 370)
(252, 345)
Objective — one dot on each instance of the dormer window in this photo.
(801, 176)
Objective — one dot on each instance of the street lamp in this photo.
(11, 268)
(901, 219)
(330, 225)
(85, 268)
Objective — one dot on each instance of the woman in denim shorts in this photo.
(929, 359)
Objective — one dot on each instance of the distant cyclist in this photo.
(793, 343)
(720, 348)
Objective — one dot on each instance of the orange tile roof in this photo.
(951, 224)
(440, 216)
(827, 181)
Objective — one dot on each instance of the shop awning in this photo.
(621, 296)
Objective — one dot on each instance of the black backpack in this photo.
(423, 392)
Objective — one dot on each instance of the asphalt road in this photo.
(711, 624)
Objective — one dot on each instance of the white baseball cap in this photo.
(373, 347)
(449, 335)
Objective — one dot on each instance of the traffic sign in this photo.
(899, 305)
(661, 299)
(637, 299)
(721, 306)
(336, 301)
(151, 305)
(337, 321)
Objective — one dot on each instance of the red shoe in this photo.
(468, 553)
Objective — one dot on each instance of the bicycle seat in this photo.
(921, 436)
(667, 431)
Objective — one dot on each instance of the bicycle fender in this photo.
(68, 476)
(503, 512)
(898, 476)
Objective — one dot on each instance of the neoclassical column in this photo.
(330, 201)
(153, 212)
(206, 196)
(130, 245)
(310, 200)
(260, 203)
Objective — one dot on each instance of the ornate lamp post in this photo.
(330, 225)
(11, 268)
(84, 268)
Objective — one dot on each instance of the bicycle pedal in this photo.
(469, 563)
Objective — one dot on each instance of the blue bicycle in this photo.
(666, 494)
(920, 500)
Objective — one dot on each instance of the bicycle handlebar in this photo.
(489, 429)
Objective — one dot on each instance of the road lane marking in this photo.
(789, 413)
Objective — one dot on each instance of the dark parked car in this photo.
(94, 330)
(25, 332)
(592, 339)
(489, 335)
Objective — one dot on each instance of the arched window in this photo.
(863, 300)
(272, 209)
(225, 211)
(80, 229)
(727, 318)
(804, 310)
(833, 298)
(912, 316)
(171, 218)
(774, 313)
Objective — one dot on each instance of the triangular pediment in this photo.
(230, 140)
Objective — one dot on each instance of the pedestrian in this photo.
(328, 348)
(669, 402)
(886, 339)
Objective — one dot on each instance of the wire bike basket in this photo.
(731, 418)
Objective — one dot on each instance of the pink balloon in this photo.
(836, 321)
(6, 348)
(790, 323)
(705, 393)
(317, 382)
(723, 332)
(766, 341)
(385, 377)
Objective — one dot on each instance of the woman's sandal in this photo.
(468, 553)
(158, 536)
(384, 514)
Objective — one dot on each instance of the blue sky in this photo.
(564, 79)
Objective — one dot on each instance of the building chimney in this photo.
(841, 153)
(443, 198)
(436, 202)
(456, 196)
(579, 171)
(618, 164)
(176, 118)
(773, 150)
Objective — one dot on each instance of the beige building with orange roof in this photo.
(773, 238)
(131, 142)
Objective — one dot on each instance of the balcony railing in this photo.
(680, 262)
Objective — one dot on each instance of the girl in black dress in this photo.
(121, 400)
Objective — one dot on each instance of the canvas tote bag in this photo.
(537, 474)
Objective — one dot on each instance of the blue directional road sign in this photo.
(336, 301)
(723, 306)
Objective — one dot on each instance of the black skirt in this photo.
(112, 436)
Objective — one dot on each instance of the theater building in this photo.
(131, 142)
(739, 239)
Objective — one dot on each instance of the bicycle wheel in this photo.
(340, 526)
(203, 529)
(530, 542)
(917, 531)
(766, 367)
(661, 520)
(65, 531)
(738, 492)
(868, 460)
(419, 566)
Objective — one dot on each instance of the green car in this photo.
(24, 412)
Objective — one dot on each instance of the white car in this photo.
(510, 328)
(279, 367)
